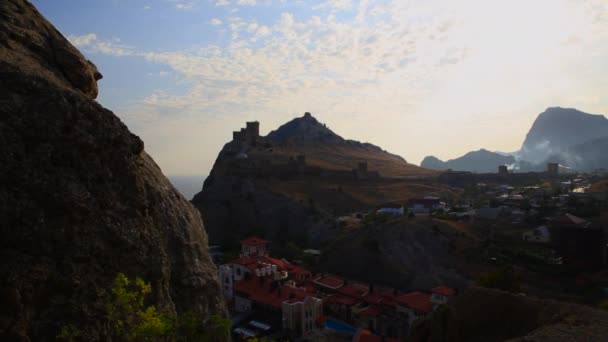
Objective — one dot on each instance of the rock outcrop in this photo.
(80, 200)
(557, 129)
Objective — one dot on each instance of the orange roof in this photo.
(254, 241)
(418, 301)
(444, 291)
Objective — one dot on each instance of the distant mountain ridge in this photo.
(476, 161)
(562, 135)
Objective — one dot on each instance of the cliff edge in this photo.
(80, 199)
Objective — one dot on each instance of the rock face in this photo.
(489, 315)
(476, 161)
(557, 129)
(80, 199)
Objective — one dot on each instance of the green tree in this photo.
(129, 318)
(69, 333)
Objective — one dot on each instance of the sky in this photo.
(415, 77)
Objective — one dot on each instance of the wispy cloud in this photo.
(92, 43)
(417, 66)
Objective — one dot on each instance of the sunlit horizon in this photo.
(416, 78)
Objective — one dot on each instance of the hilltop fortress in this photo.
(249, 154)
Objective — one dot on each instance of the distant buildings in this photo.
(391, 209)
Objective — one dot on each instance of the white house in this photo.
(540, 234)
(300, 315)
(391, 209)
(254, 246)
(441, 295)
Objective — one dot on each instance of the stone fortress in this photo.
(249, 154)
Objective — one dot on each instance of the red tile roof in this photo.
(330, 282)
(366, 336)
(244, 261)
(570, 219)
(418, 301)
(281, 264)
(353, 291)
(444, 291)
(339, 299)
(254, 241)
(373, 298)
(371, 311)
(262, 290)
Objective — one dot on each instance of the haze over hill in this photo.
(476, 161)
(564, 135)
(557, 129)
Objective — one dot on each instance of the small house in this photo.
(540, 234)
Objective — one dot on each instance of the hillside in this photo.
(292, 182)
(476, 161)
(81, 200)
(324, 148)
(490, 315)
(404, 253)
(557, 129)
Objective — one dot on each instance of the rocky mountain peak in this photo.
(557, 129)
(304, 129)
(33, 47)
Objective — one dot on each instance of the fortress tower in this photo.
(249, 134)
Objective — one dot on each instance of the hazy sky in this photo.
(421, 77)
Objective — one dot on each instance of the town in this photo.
(549, 226)
(274, 298)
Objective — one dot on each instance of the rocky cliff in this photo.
(80, 199)
(557, 129)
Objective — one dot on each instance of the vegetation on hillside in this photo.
(130, 319)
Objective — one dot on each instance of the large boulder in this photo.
(80, 200)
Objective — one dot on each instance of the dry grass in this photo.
(332, 157)
(600, 186)
(350, 196)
